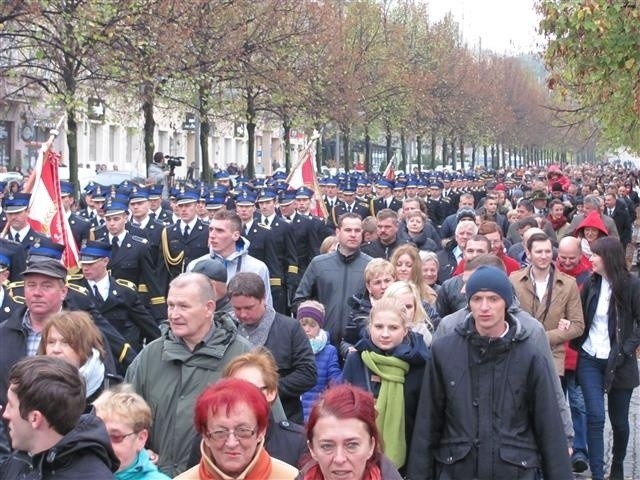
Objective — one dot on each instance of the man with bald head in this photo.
(573, 262)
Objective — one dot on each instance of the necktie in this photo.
(265, 221)
(96, 292)
(115, 246)
(135, 224)
(17, 237)
(288, 219)
(152, 215)
(92, 214)
(246, 230)
(185, 233)
(611, 212)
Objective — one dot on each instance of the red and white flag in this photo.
(389, 172)
(46, 213)
(304, 174)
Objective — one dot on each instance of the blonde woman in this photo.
(419, 320)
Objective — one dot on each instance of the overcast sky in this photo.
(505, 26)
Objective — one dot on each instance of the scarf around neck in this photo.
(257, 334)
(319, 341)
(258, 469)
(93, 372)
(390, 403)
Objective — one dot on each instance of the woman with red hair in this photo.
(344, 440)
(232, 416)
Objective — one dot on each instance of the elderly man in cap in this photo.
(494, 366)
(116, 299)
(17, 208)
(45, 290)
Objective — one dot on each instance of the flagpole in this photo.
(314, 136)
(53, 133)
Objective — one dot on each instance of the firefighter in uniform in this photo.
(385, 198)
(131, 259)
(79, 225)
(116, 299)
(284, 276)
(185, 240)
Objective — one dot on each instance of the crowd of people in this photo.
(439, 325)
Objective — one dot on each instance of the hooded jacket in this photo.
(593, 220)
(84, 452)
(241, 261)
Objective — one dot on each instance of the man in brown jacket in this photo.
(550, 296)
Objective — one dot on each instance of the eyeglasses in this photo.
(119, 438)
(223, 434)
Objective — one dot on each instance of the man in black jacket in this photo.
(50, 435)
(282, 335)
(488, 365)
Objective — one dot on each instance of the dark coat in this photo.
(296, 363)
(447, 261)
(623, 221)
(378, 204)
(306, 239)
(469, 379)
(80, 227)
(622, 365)
(176, 252)
(84, 452)
(376, 249)
(413, 351)
(360, 209)
(450, 298)
(427, 240)
(125, 311)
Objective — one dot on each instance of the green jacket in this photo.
(170, 378)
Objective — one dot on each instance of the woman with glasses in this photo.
(127, 418)
(232, 416)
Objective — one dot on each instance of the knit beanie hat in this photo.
(490, 279)
(308, 310)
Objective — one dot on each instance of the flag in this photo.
(389, 172)
(46, 213)
(304, 174)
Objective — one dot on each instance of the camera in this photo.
(173, 162)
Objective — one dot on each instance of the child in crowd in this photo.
(311, 317)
